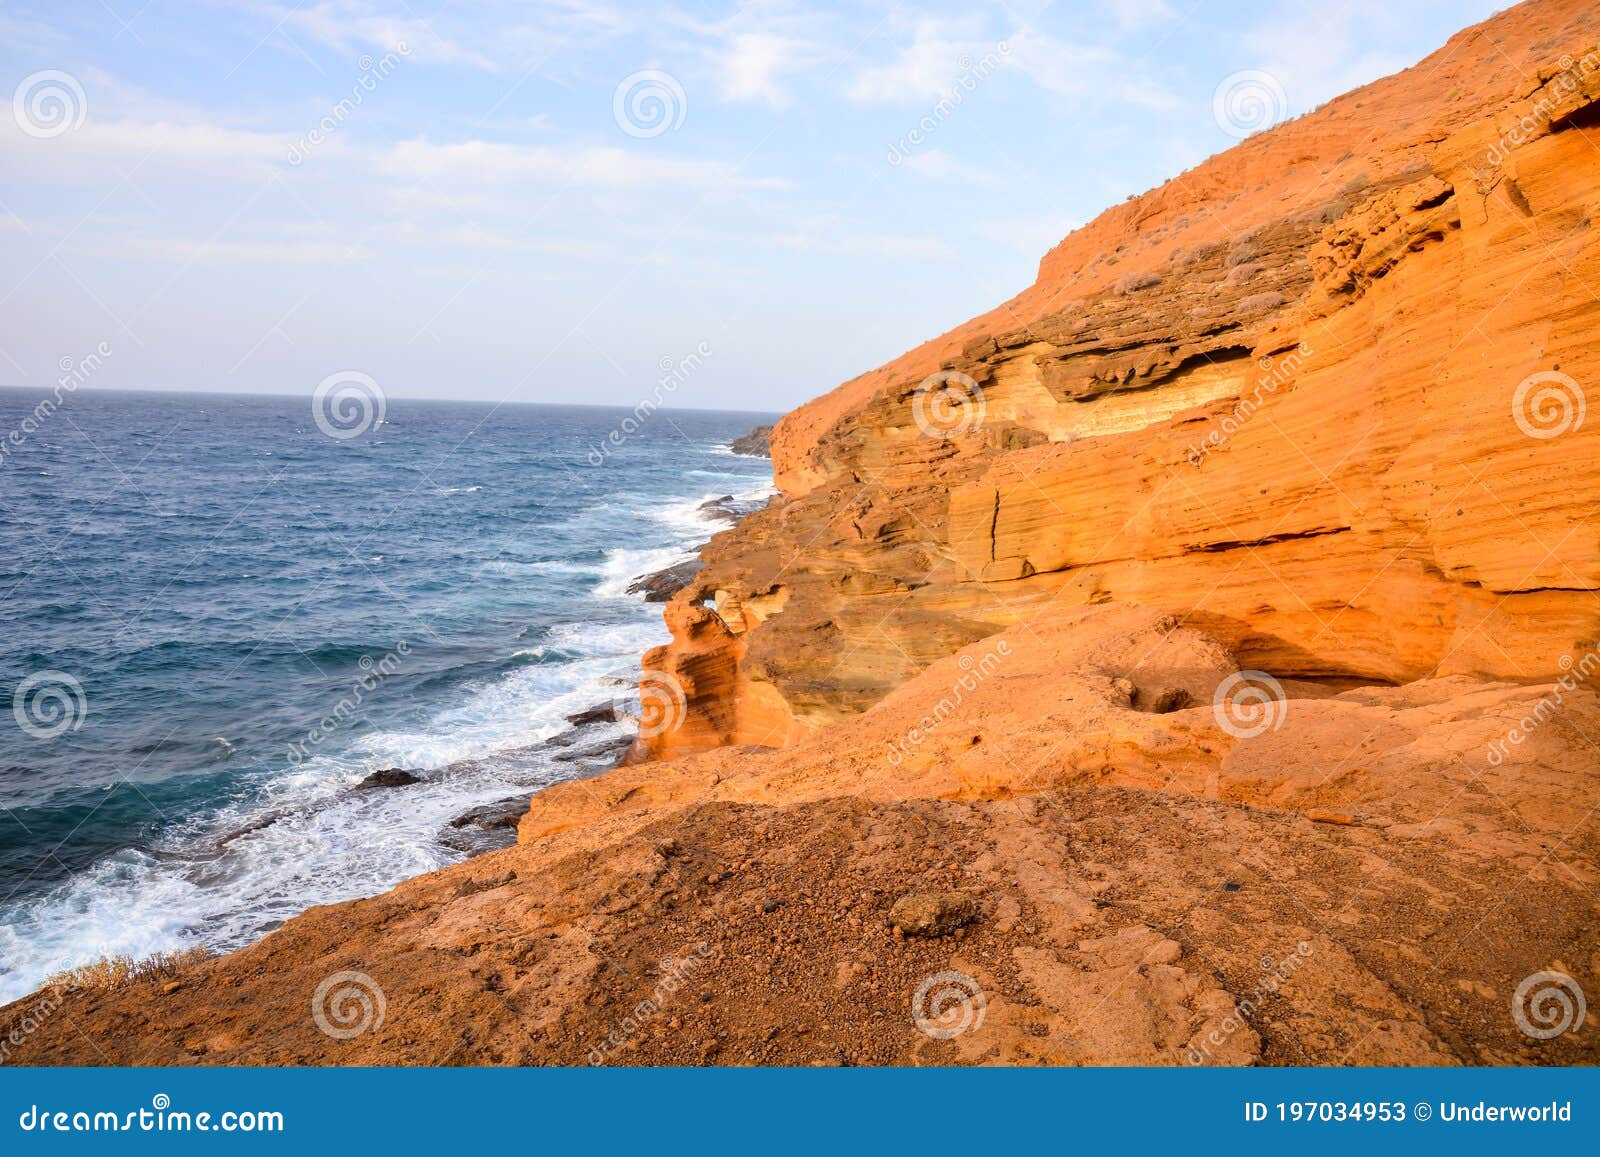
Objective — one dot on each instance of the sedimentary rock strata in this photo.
(1282, 397)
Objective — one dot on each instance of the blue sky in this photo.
(550, 200)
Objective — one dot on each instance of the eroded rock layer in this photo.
(1322, 396)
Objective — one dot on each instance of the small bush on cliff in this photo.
(1133, 282)
(121, 970)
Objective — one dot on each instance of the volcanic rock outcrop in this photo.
(1322, 396)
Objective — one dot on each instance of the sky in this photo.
(579, 201)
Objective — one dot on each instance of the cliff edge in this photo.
(1322, 397)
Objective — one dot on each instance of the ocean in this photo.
(216, 620)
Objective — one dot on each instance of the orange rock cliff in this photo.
(1277, 397)
(1305, 424)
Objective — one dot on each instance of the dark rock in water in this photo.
(605, 713)
(599, 756)
(753, 444)
(661, 586)
(485, 828)
(720, 508)
(389, 777)
(254, 825)
(730, 509)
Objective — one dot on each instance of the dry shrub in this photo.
(120, 971)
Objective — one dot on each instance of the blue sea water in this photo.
(216, 619)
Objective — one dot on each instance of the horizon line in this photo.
(147, 390)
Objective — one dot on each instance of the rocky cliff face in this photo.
(1321, 397)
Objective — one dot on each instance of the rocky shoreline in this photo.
(755, 444)
(659, 586)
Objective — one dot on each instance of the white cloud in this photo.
(1076, 70)
(97, 145)
(188, 249)
(754, 65)
(452, 35)
(938, 165)
(473, 236)
(344, 25)
(590, 166)
(939, 52)
(1135, 14)
(824, 236)
(1315, 53)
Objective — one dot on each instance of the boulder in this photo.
(932, 914)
